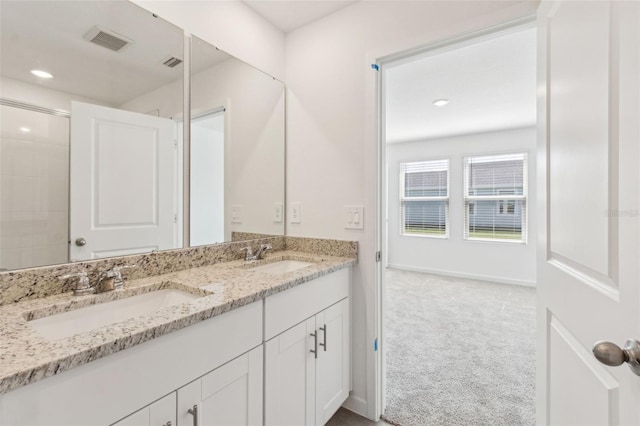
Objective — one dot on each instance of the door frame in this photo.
(381, 226)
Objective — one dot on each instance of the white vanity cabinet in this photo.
(116, 387)
(307, 352)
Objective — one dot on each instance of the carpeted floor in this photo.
(459, 352)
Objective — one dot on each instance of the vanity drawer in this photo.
(288, 308)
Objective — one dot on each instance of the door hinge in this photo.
(175, 144)
(175, 218)
(378, 256)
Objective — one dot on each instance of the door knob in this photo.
(611, 354)
(80, 242)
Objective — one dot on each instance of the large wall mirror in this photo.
(93, 162)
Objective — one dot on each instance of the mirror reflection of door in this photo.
(207, 178)
(122, 198)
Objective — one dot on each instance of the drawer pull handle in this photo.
(314, 351)
(194, 412)
(324, 330)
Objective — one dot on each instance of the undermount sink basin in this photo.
(65, 324)
(282, 266)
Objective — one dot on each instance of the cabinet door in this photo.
(290, 377)
(230, 395)
(160, 413)
(332, 365)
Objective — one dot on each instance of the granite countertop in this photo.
(26, 356)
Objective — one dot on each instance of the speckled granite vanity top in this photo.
(26, 356)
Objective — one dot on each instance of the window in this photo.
(424, 198)
(495, 195)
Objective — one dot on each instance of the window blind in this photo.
(424, 198)
(495, 193)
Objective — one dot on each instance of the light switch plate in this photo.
(296, 212)
(354, 217)
(236, 213)
(277, 212)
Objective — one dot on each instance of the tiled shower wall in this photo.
(34, 188)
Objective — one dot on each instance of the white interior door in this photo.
(588, 275)
(122, 182)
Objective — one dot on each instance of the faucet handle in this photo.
(248, 252)
(118, 280)
(83, 286)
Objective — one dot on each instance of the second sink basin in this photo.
(66, 324)
(282, 266)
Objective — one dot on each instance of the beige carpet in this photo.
(459, 352)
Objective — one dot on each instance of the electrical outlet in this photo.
(277, 212)
(354, 217)
(296, 213)
(236, 214)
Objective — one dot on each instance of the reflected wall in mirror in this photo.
(92, 160)
(237, 112)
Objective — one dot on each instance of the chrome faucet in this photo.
(259, 254)
(108, 280)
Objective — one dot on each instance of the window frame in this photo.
(502, 199)
(404, 199)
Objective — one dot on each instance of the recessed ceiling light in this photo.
(25, 129)
(440, 102)
(41, 74)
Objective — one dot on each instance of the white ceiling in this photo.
(287, 15)
(49, 35)
(491, 85)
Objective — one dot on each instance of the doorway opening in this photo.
(459, 232)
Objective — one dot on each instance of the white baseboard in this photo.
(500, 280)
(357, 405)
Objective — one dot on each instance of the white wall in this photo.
(229, 25)
(331, 130)
(495, 261)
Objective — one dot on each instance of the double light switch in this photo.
(354, 217)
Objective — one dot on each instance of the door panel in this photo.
(126, 160)
(123, 182)
(332, 367)
(579, 145)
(573, 364)
(290, 377)
(589, 237)
(232, 394)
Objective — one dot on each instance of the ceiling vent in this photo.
(172, 62)
(106, 38)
